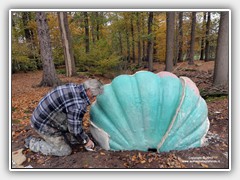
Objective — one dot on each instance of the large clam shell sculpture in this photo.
(147, 111)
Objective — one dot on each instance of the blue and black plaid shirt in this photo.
(70, 99)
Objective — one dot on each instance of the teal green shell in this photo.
(149, 111)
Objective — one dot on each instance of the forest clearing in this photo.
(190, 98)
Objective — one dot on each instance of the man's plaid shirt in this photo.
(70, 99)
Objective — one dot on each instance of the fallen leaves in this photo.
(25, 98)
(145, 159)
(18, 157)
(174, 162)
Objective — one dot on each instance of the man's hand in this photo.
(89, 146)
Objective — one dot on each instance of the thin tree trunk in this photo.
(87, 49)
(191, 56)
(222, 56)
(150, 42)
(176, 48)
(49, 77)
(203, 37)
(119, 38)
(180, 52)
(133, 40)
(127, 40)
(207, 36)
(97, 28)
(67, 44)
(143, 42)
(139, 40)
(27, 31)
(93, 24)
(120, 42)
(170, 41)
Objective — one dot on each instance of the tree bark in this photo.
(221, 68)
(27, 31)
(180, 52)
(150, 42)
(93, 25)
(87, 49)
(203, 37)
(119, 36)
(97, 28)
(207, 36)
(170, 41)
(176, 40)
(49, 77)
(120, 42)
(127, 39)
(143, 41)
(139, 40)
(67, 44)
(191, 56)
(133, 40)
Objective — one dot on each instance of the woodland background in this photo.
(108, 43)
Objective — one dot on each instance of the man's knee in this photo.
(65, 150)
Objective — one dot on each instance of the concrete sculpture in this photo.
(149, 111)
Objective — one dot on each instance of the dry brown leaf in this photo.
(204, 165)
(40, 161)
(102, 153)
(142, 162)
(140, 156)
(134, 158)
(126, 165)
(18, 157)
(150, 160)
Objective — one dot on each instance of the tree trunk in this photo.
(86, 32)
(27, 31)
(222, 55)
(127, 40)
(150, 42)
(176, 40)
(143, 42)
(67, 44)
(120, 42)
(207, 37)
(97, 28)
(170, 41)
(139, 40)
(93, 25)
(49, 77)
(203, 37)
(133, 41)
(191, 56)
(26, 17)
(119, 36)
(180, 52)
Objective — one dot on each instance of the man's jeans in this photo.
(53, 142)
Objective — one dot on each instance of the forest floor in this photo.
(25, 97)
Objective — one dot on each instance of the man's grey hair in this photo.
(95, 86)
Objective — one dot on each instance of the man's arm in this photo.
(75, 117)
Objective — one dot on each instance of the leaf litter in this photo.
(25, 97)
